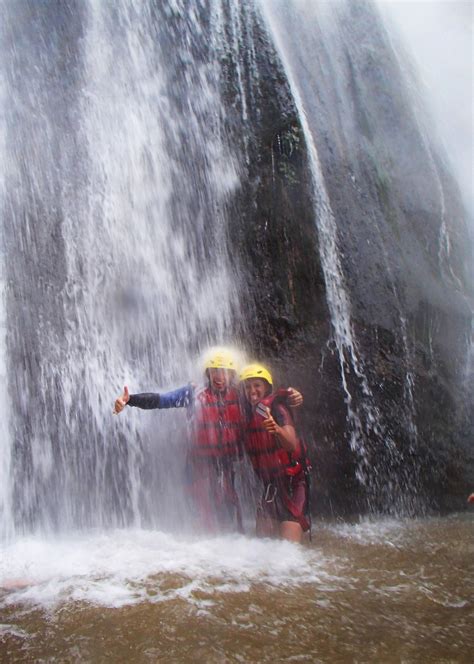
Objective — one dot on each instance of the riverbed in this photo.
(374, 590)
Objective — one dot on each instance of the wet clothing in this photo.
(286, 500)
(216, 422)
(269, 459)
(180, 398)
(214, 499)
(217, 427)
(216, 439)
(285, 494)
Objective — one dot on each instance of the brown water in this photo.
(380, 591)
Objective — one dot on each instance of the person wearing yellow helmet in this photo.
(216, 433)
(215, 438)
(216, 442)
(277, 457)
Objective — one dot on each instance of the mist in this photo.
(439, 37)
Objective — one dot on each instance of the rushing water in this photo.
(122, 155)
(119, 168)
(114, 219)
(366, 424)
(374, 591)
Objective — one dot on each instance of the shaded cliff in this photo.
(403, 246)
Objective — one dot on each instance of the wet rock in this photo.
(393, 198)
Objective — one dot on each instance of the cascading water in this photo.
(128, 134)
(419, 110)
(115, 223)
(6, 520)
(367, 429)
(180, 173)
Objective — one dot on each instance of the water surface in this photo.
(372, 591)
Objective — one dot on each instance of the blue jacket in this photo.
(179, 398)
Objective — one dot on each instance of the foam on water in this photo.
(355, 590)
(390, 531)
(124, 567)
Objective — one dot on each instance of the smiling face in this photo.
(220, 379)
(256, 389)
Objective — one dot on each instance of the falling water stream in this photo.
(119, 171)
(365, 422)
(136, 281)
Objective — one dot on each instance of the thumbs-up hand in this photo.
(269, 423)
(121, 401)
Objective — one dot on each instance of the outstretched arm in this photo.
(179, 398)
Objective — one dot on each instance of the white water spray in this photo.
(364, 419)
(129, 170)
(419, 99)
(6, 521)
(438, 37)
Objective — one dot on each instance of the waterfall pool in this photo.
(371, 591)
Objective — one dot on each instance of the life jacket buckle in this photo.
(270, 493)
(294, 469)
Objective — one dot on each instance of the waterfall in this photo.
(419, 111)
(114, 203)
(152, 149)
(6, 519)
(369, 437)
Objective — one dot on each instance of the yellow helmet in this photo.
(220, 358)
(256, 371)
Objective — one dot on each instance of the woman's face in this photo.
(256, 389)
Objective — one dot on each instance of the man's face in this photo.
(256, 389)
(219, 379)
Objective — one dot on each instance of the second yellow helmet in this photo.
(256, 371)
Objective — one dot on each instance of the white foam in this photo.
(129, 566)
(389, 531)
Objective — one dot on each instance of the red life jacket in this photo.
(269, 460)
(217, 428)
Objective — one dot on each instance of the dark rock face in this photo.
(395, 204)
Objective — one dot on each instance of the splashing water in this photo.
(115, 219)
(121, 165)
(6, 521)
(151, 595)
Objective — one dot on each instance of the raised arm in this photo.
(180, 398)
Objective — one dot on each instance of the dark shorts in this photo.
(286, 499)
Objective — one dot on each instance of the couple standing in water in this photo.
(227, 420)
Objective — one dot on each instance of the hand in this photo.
(269, 424)
(122, 401)
(295, 398)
